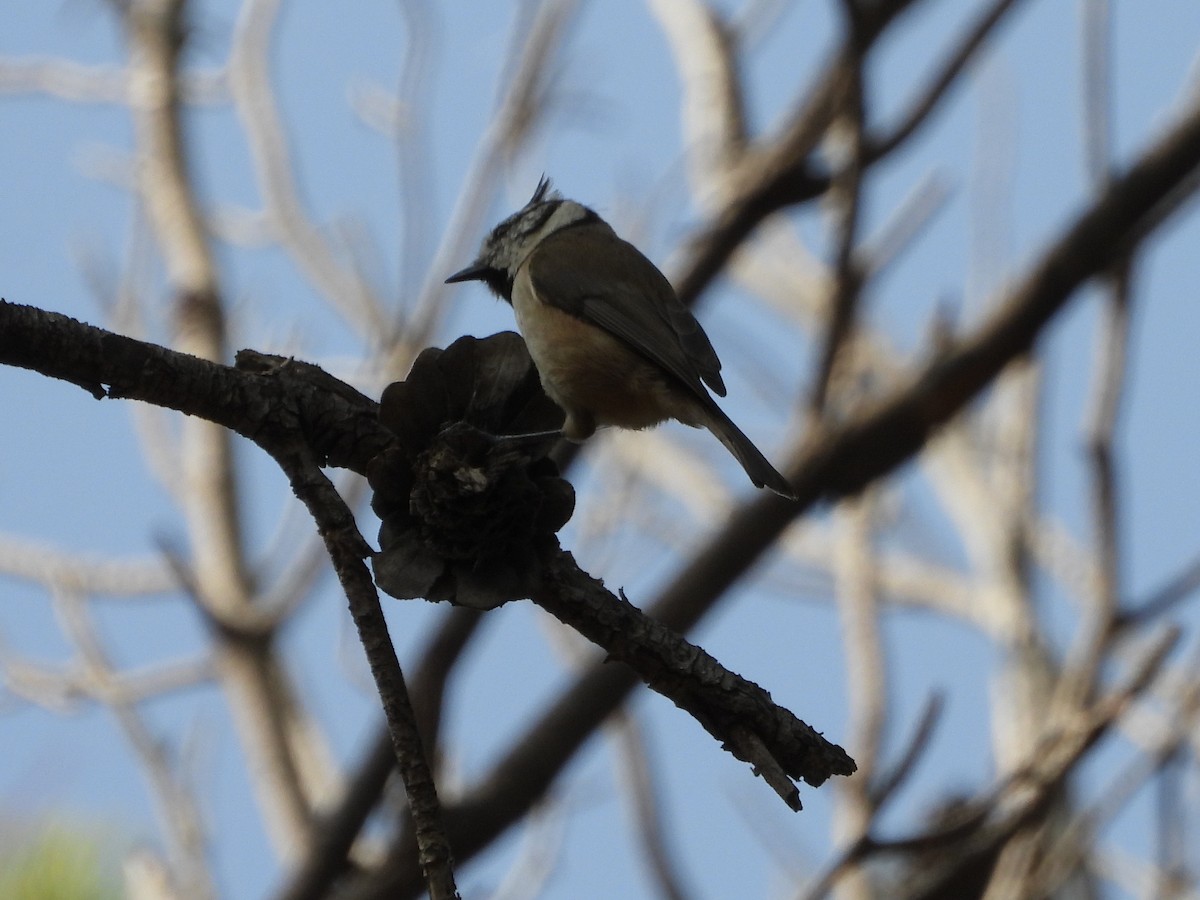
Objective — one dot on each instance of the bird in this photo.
(612, 343)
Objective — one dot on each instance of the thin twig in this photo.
(986, 822)
(339, 828)
(129, 579)
(75, 82)
(1109, 374)
(948, 74)
(887, 782)
(254, 102)
(1161, 601)
(643, 791)
(866, 667)
(846, 190)
(347, 549)
(520, 109)
(175, 804)
(1074, 842)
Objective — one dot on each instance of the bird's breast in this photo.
(589, 372)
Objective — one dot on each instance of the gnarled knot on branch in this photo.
(468, 499)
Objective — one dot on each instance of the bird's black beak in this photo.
(474, 272)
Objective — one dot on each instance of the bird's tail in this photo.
(761, 472)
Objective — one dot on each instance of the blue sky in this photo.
(71, 475)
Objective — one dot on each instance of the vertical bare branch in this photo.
(866, 680)
(846, 193)
(1096, 29)
(156, 30)
(413, 156)
(254, 101)
(713, 113)
(272, 727)
(641, 788)
(1108, 379)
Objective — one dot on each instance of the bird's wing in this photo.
(614, 287)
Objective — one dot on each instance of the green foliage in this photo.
(59, 863)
